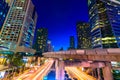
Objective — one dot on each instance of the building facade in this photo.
(4, 7)
(104, 23)
(83, 35)
(41, 40)
(72, 42)
(49, 46)
(18, 30)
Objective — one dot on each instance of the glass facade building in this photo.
(104, 23)
(19, 26)
(3, 12)
(83, 35)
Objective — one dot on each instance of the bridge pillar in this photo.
(59, 65)
(39, 60)
(107, 74)
(94, 73)
(99, 74)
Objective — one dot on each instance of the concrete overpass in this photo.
(96, 58)
(112, 54)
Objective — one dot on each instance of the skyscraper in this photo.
(83, 35)
(72, 42)
(3, 12)
(41, 40)
(18, 30)
(105, 23)
(49, 46)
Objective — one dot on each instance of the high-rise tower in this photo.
(49, 46)
(105, 23)
(41, 40)
(72, 42)
(83, 35)
(18, 30)
(3, 12)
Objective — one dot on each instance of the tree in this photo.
(15, 59)
(116, 74)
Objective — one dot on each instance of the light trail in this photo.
(79, 73)
(73, 75)
(41, 72)
(25, 73)
(30, 75)
(45, 71)
(38, 71)
(84, 75)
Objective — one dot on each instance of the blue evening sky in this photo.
(60, 17)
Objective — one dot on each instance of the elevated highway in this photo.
(111, 54)
(95, 58)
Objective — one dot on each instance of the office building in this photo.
(105, 23)
(83, 35)
(49, 46)
(41, 40)
(18, 30)
(3, 12)
(72, 42)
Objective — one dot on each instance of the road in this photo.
(36, 73)
(74, 72)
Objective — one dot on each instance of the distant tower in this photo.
(3, 12)
(41, 40)
(18, 30)
(105, 23)
(83, 35)
(49, 46)
(72, 42)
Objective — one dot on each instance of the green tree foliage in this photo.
(116, 74)
(15, 59)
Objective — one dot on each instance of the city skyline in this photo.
(60, 17)
(55, 40)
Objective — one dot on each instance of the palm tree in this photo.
(15, 61)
